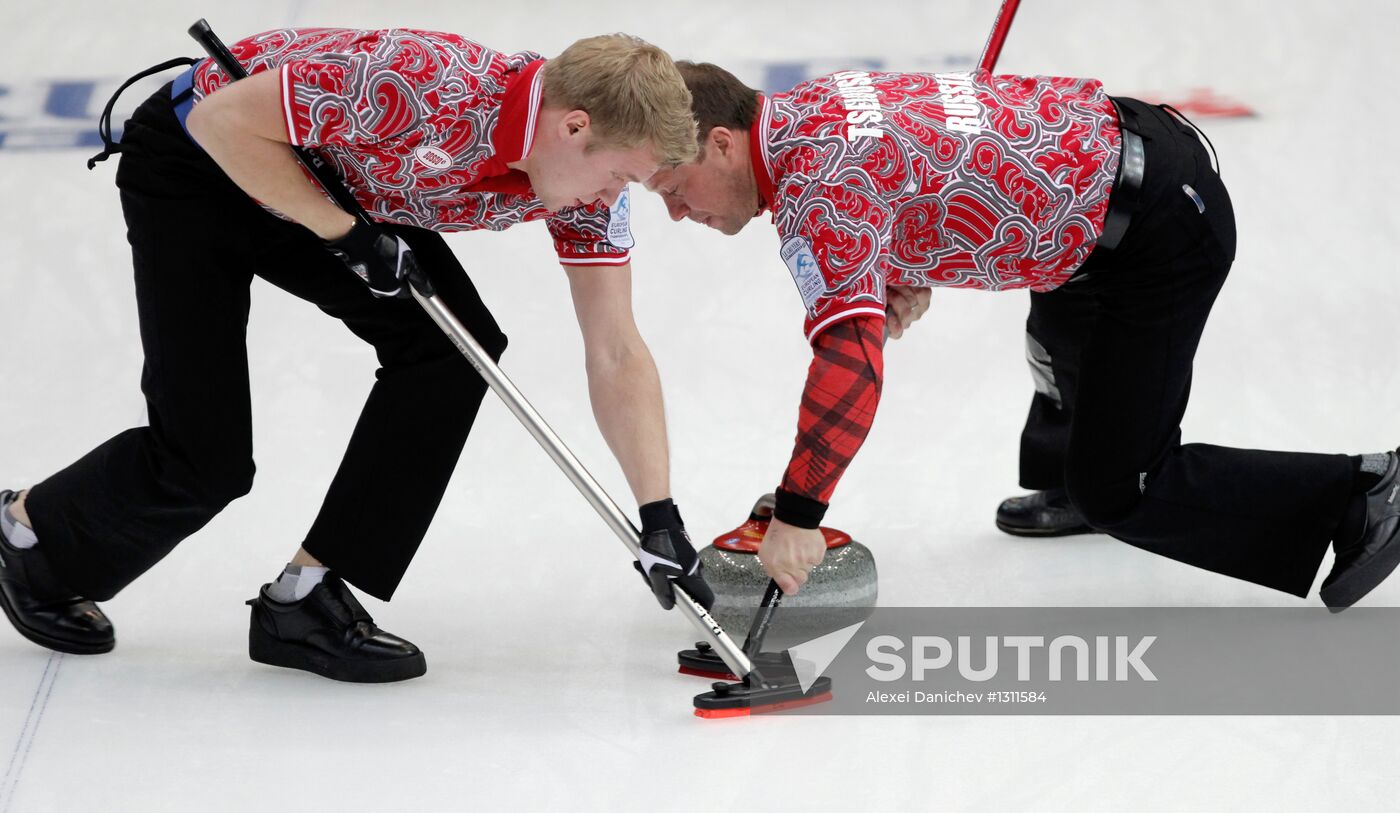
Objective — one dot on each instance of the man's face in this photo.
(564, 172)
(718, 191)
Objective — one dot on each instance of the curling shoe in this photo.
(1362, 565)
(330, 634)
(1042, 513)
(44, 611)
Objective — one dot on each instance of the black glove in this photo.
(667, 556)
(382, 260)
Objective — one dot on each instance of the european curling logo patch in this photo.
(802, 264)
(620, 221)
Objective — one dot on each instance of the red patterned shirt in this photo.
(876, 179)
(960, 180)
(421, 126)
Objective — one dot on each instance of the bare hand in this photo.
(789, 553)
(904, 306)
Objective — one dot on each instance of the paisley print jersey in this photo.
(421, 125)
(961, 180)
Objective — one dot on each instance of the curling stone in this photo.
(840, 591)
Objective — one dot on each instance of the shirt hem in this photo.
(833, 319)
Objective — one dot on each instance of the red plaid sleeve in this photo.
(838, 405)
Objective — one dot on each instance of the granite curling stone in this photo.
(840, 591)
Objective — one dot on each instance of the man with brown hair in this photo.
(1109, 210)
(431, 132)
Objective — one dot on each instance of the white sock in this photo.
(296, 583)
(17, 533)
(1376, 464)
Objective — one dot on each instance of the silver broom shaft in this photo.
(703, 622)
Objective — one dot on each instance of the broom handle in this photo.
(992, 50)
(704, 623)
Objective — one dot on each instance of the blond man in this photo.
(431, 132)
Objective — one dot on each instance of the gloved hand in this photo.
(382, 260)
(667, 556)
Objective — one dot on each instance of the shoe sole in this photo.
(265, 649)
(1349, 590)
(50, 642)
(1016, 530)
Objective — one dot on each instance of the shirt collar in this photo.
(758, 155)
(520, 108)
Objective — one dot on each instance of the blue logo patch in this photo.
(806, 271)
(620, 221)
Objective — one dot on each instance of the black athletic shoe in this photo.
(330, 634)
(1370, 560)
(42, 610)
(1042, 513)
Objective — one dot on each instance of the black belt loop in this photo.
(104, 123)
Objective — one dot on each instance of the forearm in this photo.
(242, 137)
(626, 394)
(838, 408)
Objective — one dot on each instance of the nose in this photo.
(677, 210)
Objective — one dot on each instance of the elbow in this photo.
(216, 119)
(202, 121)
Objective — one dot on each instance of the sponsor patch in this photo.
(620, 221)
(805, 270)
(433, 158)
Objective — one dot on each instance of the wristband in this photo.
(797, 510)
(660, 514)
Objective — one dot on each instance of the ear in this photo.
(574, 123)
(722, 142)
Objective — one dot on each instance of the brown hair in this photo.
(719, 98)
(630, 89)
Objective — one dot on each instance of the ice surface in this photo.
(553, 687)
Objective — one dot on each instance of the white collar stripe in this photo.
(536, 89)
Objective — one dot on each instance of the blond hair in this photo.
(632, 92)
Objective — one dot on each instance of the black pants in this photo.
(197, 241)
(1111, 352)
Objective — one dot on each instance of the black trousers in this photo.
(1111, 353)
(197, 241)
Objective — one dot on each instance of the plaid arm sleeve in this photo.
(838, 407)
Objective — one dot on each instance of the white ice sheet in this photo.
(553, 689)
